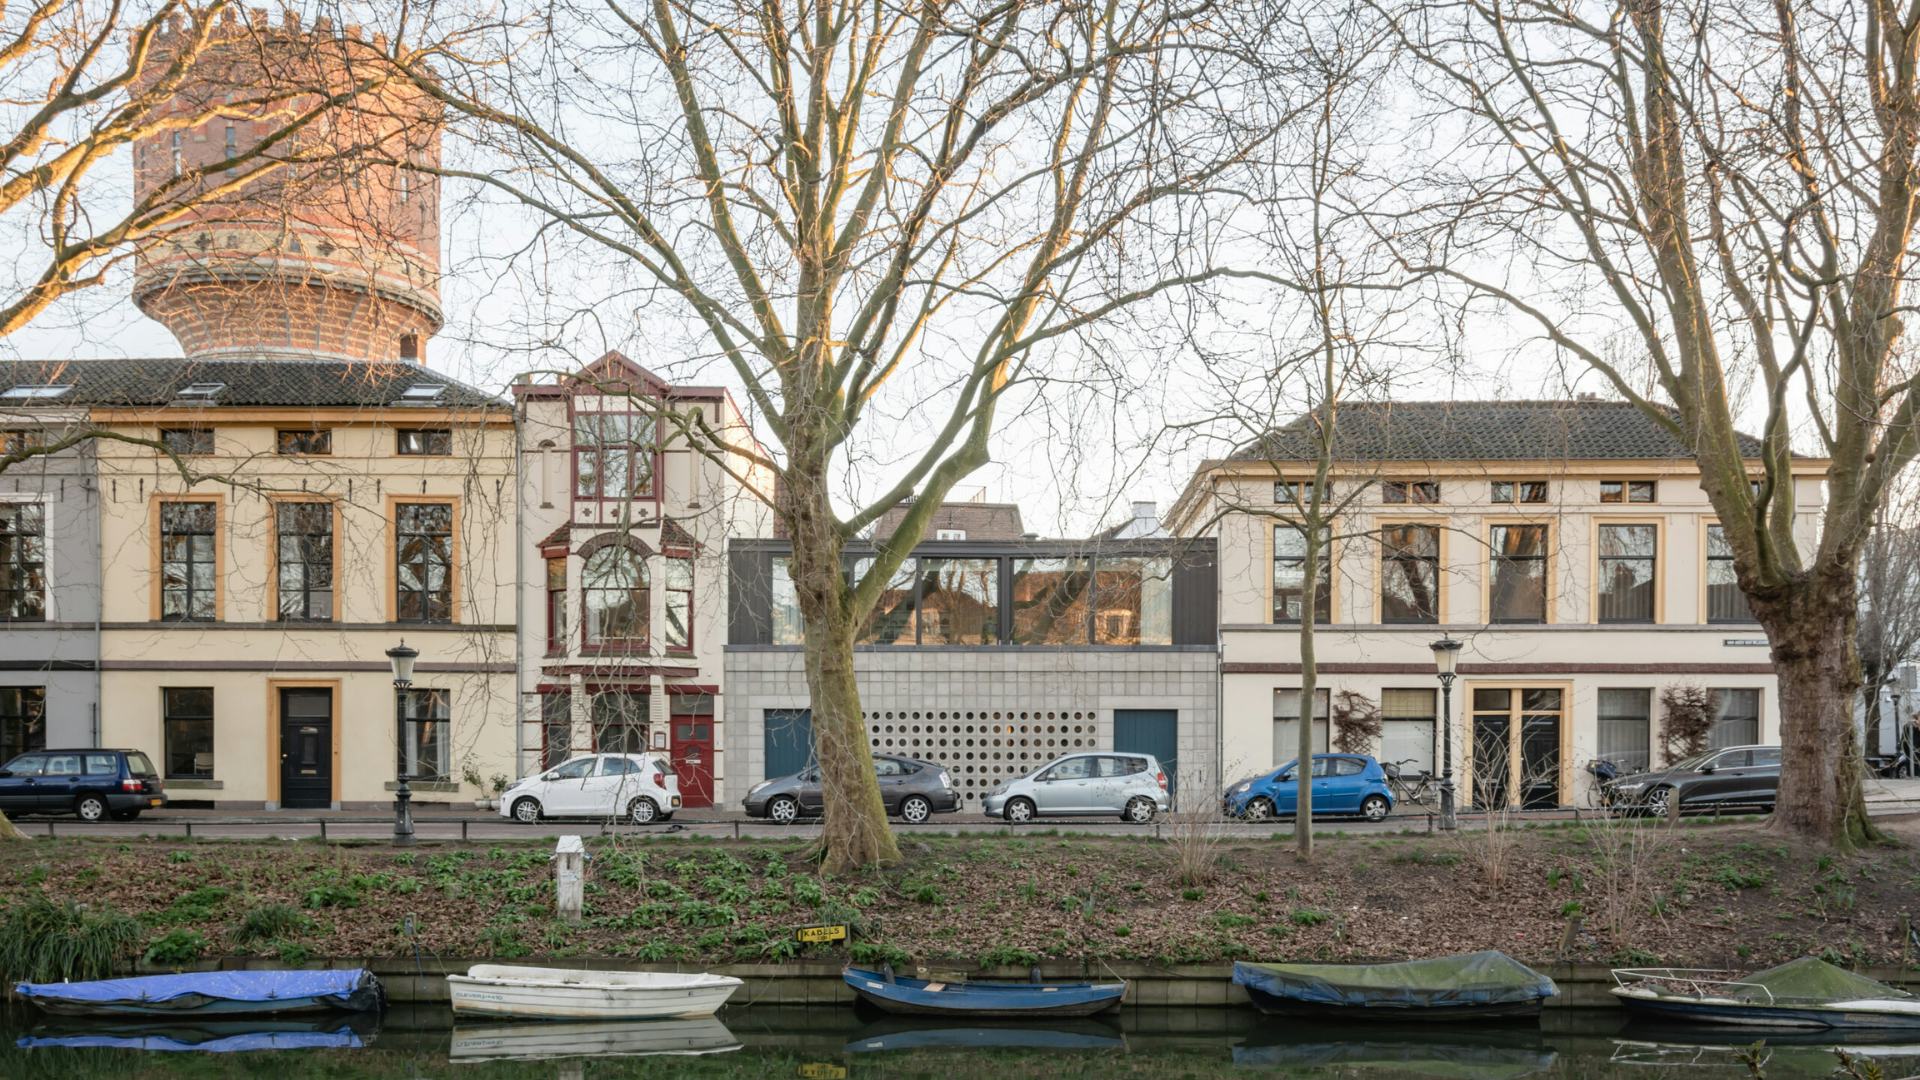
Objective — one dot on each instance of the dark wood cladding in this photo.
(1195, 580)
(1542, 668)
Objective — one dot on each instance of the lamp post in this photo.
(1446, 652)
(402, 658)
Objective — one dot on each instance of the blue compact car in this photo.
(1343, 784)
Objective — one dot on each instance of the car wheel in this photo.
(1659, 802)
(1140, 810)
(90, 808)
(784, 810)
(1374, 808)
(1259, 809)
(642, 811)
(527, 811)
(1019, 810)
(915, 810)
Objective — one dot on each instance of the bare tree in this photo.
(1713, 209)
(874, 211)
(1889, 631)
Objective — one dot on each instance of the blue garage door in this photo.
(1150, 731)
(789, 735)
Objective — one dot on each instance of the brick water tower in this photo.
(333, 254)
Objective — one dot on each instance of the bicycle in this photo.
(1415, 788)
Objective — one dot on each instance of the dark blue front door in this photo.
(1150, 731)
(789, 741)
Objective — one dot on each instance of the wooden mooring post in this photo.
(569, 866)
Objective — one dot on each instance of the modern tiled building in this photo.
(630, 490)
(992, 657)
(1567, 543)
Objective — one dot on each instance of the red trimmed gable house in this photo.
(631, 488)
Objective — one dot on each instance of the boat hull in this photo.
(1503, 1012)
(552, 1001)
(1717, 1014)
(211, 994)
(996, 1001)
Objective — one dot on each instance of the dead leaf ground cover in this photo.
(1720, 895)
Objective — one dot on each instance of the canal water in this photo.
(765, 1043)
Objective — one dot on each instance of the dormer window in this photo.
(37, 391)
(422, 393)
(200, 393)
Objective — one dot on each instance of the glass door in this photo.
(1517, 747)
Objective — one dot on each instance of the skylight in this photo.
(205, 391)
(423, 392)
(37, 391)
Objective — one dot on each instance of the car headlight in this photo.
(1628, 785)
(758, 788)
(1242, 787)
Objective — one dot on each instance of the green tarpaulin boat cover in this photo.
(1813, 981)
(1482, 978)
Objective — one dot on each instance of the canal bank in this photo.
(807, 984)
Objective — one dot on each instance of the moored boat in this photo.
(1803, 993)
(1001, 1000)
(210, 993)
(536, 993)
(1472, 986)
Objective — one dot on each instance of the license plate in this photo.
(153, 802)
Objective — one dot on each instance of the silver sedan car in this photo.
(1131, 786)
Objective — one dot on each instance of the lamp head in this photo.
(1446, 653)
(402, 656)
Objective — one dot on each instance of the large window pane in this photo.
(1626, 728)
(614, 586)
(23, 560)
(1519, 573)
(187, 720)
(187, 560)
(891, 621)
(1725, 602)
(23, 720)
(959, 601)
(556, 728)
(1627, 554)
(304, 559)
(425, 746)
(1410, 574)
(787, 627)
(679, 601)
(1407, 726)
(1286, 727)
(619, 722)
(1051, 601)
(423, 562)
(1133, 600)
(1290, 576)
(1738, 723)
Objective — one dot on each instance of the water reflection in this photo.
(1498, 1052)
(605, 1038)
(213, 1037)
(923, 1033)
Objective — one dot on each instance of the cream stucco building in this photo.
(1568, 544)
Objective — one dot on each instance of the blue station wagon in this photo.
(92, 783)
(1343, 784)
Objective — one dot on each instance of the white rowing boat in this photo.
(605, 1038)
(534, 993)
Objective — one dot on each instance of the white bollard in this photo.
(569, 864)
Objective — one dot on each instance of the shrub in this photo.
(1356, 723)
(176, 947)
(43, 940)
(1008, 956)
(270, 921)
(876, 952)
(331, 895)
(1308, 917)
(1687, 714)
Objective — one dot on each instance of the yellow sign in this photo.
(819, 1070)
(813, 935)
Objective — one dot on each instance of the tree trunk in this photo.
(8, 832)
(854, 831)
(1811, 627)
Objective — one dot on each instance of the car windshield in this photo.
(1693, 762)
(1285, 772)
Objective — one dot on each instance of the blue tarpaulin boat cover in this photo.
(196, 989)
(1482, 978)
(344, 1039)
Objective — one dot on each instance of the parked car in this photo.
(639, 787)
(1134, 786)
(93, 784)
(912, 790)
(1729, 777)
(1343, 784)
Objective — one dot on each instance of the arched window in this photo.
(615, 587)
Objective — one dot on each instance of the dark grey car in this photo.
(1733, 776)
(912, 790)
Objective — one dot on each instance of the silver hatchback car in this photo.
(1133, 786)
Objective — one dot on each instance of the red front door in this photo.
(693, 759)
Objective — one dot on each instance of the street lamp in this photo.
(402, 658)
(1446, 653)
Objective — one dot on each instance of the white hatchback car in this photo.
(639, 787)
